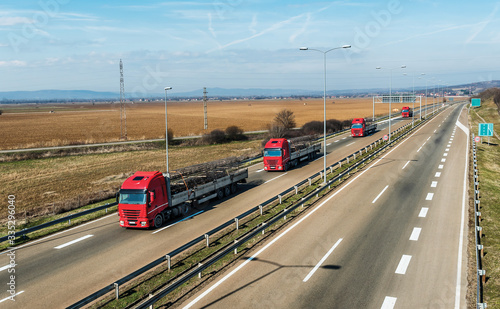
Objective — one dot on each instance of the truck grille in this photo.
(272, 162)
(131, 214)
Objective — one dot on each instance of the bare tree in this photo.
(286, 119)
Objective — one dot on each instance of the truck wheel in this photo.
(220, 194)
(158, 222)
(227, 191)
(234, 188)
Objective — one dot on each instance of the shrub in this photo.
(313, 127)
(215, 137)
(235, 133)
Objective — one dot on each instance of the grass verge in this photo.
(489, 185)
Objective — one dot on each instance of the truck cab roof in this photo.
(140, 180)
(276, 143)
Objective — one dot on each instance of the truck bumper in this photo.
(139, 223)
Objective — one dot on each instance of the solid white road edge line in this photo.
(184, 219)
(321, 261)
(415, 234)
(275, 178)
(8, 298)
(389, 302)
(373, 202)
(403, 264)
(210, 289)
(73, 241)
(7, 267)
(65, 231)
(462, 220)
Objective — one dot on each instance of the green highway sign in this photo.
(475, 102)
(485, 129)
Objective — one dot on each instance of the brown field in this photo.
(34, 126)
(53, 185)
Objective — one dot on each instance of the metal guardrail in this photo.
(196, 271)
(205, 237)
(480, 273)
(89, 211)
(57, 221)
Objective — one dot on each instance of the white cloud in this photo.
(11, 21)
(13, 63)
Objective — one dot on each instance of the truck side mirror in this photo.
(152, 196)
(117, 197)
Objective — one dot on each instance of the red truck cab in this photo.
(141, 199)
(277, 154)
(406, 112)
(358, 127)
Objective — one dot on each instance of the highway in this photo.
(393, 236)
(49, 270)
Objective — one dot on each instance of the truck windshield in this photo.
(272, 152)
(132, 198)
(357, 126)
(405, 111)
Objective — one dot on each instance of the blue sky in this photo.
(188, 45)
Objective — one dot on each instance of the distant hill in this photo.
(42, 95)
(87, 95)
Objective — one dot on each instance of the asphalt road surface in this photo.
(58, 270)
(392, 237)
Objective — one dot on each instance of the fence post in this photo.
(237, 223)
(199, 274)
(260, 208)
(117, 290)
(296, 190)
(236, 249)
(208, 242)
(279, 196)
(167, 257)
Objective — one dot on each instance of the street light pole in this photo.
(390, 97)
(167, 177)
(324, 101)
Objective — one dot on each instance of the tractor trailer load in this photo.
(361, 127)
(143, 199)
(406, 112)
(280, 153)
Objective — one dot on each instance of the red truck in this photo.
(360, 127)
(143, 198)
(280, 154)
(406, 112)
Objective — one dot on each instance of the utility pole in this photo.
(123, 114)
(205, 122)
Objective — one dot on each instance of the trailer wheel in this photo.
(220, 194)
(227, 191)
(158, 222)
(234, 188)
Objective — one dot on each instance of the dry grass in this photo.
(37, 184)
(34, 126)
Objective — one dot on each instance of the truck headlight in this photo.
(143, 223)
(121, 222)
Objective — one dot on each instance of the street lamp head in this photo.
(403, 67)
(168, 88)
(304, 48)
(378, 68)
(346, 46)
